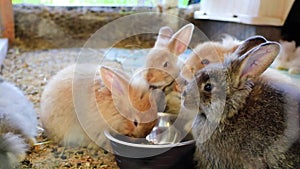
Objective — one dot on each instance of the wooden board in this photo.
(7, 20)
(258, 12)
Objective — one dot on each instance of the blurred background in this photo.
(46, 24)
(40, 37)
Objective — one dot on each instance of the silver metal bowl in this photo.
(165, 132)
(165, 147)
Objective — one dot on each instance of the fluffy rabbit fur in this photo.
(244, 120)
(286, 55)
(213, 52)
(288, 58)
(207, 52)
(106, 102)
(18, 125)
(295, 66)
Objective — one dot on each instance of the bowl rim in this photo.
(161, 114)
(156, 146)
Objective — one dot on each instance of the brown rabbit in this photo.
(75, 111)
(163, 66)
(213, 52)
(244, 120)
(162, 62)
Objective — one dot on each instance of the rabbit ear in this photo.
(248, 44)
(114, 81)
(181, 39)
(257, 60)
(164, 35)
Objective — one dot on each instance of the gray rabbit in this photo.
(18, 125)
(244, 120)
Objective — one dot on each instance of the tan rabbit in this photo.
(244, 120)
(213, 52)
(162, 61)
(163, 66)
(75, 110)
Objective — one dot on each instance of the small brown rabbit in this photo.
(243, 120)
(163, 66)
(213, 52)
(76, 110)
(162, 62)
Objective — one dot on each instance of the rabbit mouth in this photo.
(160, 85)
(153, 87)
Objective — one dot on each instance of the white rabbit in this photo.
(77, 115)
(18, 125)
(244, 120)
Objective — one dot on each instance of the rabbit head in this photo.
(136, 113)
(220, 90)
(203, 54)
(162, 61)
(213, 52)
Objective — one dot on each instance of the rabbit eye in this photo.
(205, 61)
(166, 64)
(208, 87)
(135, 123)
(202, 115)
